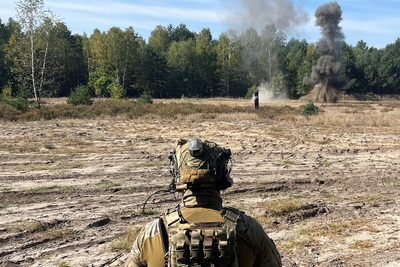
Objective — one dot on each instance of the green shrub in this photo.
(250, 92)
(19, 103)
(7, 91)
(310, 109)
(80, 96)
(145, 98)
(116, 90)
(8, 112)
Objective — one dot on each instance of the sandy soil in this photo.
(70, 188)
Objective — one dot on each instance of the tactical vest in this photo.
(202, 244)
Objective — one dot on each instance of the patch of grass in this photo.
(52, 188)
(30, 226)
(133, 109)
(368, 199)
(124, 242)
(129, 190)
(327, 164)
(289, 162)
(299, 242)
(362, 244)
(149, 164)
(337, 229)
(391, 181)
(310, 109)
(57, 233)
(280, 207)
(107, 184)
(312, 234)
(3, 206)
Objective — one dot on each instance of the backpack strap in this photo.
(163, 235)
(231, 217)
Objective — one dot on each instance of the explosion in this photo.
(325, 76)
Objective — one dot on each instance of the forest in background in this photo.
(39, 57)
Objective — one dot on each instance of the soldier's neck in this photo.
(205, 198)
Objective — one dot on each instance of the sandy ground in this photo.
(70, 188)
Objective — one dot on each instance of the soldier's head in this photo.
(200, 164)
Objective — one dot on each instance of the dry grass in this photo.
(362, 244)
(281, 207)
(59, 233)
(30, 226)
(314, 234)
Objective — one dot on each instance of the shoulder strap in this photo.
(163, 235)
(231, 217)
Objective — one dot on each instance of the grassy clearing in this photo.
(341, 115)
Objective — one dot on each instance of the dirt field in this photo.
(326, 188)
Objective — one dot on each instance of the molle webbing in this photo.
(203, 244)
(196, 176)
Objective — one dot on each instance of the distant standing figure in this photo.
(256, 100)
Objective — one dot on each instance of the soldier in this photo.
(256, 100)
(200, 231)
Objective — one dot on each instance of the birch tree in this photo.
(31, 15)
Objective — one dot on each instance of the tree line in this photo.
(40, 57)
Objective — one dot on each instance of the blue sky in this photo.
(375, 22)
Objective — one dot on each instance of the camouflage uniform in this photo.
(254, 246)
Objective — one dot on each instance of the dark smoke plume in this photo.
(325, 76)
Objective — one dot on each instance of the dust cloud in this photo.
(257, 14)
(266, 94)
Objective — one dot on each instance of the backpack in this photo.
(200, 244)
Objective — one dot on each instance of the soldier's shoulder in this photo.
(152, 228)
(245, 222)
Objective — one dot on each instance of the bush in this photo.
(7, 112)
(116, 90)
(7, 91)
(80, 96)
(19, 103)
(145, 98)
(310, 109)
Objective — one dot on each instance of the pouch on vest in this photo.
(202, 244)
